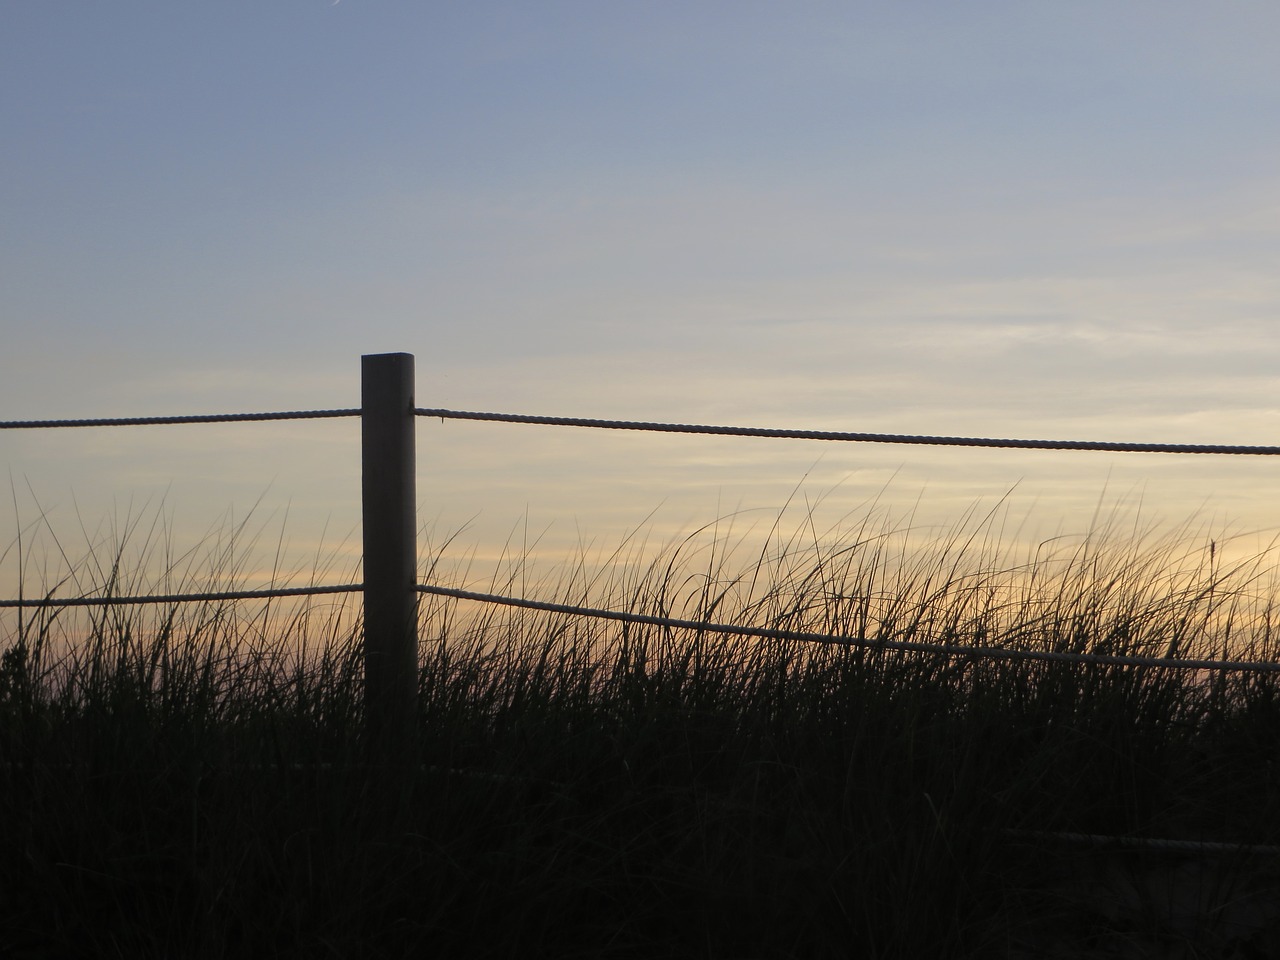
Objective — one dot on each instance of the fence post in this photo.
(390, 550)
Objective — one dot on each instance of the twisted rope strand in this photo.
(785, 434)
(991, 653)
(183, 597)
(195, 418)
(856, 437)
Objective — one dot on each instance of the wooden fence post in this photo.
(390, 551)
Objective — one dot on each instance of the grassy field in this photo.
(190, 781)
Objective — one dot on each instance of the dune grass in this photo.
(189, 781)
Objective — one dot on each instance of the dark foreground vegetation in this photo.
(190, 782)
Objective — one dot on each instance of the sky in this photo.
(1010, 219)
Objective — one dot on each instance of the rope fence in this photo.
(650, 426)
(390, 587)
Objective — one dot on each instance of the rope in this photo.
(857, 437)
(198, 418)
(992, 653)
(183, 597)
(669, 428)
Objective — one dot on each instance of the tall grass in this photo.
(188, 781)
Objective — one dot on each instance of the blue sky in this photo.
(997, 218)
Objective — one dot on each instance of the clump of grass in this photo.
(188, 780)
